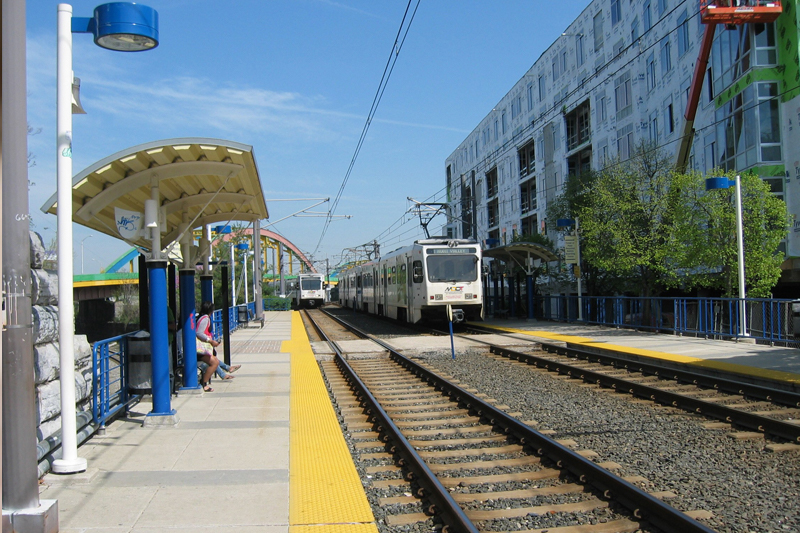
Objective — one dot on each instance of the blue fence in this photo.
(769, 320)
(110, 363)
(110, 381)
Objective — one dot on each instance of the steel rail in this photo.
(764, 424)
(643, 505)
(432, 489)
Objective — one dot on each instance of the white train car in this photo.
(310, 291)
(417, 283)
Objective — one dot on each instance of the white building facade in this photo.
(611, 81)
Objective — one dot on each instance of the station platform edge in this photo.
(325, 490)
(581, 341)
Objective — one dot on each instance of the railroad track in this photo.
(773, 413)
(439, 450)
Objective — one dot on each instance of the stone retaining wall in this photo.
(44, 297)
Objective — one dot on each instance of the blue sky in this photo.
(295, 79)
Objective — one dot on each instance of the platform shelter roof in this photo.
(212, 181)
(520, 252)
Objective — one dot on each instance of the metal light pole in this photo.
(725, 183)
(116, 26)
(87, 237)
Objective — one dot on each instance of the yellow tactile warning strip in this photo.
(774, 375)
(325, 491)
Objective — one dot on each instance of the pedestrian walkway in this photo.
(263, 452)
(771, 363)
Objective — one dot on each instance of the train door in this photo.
(383, 290)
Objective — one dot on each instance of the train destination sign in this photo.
(451, 251)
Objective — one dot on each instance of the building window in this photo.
(653, 127)
(556, 68)
(527, 193)
(669, 116)
(710, 152)
(598, 31)
(625, 142)
(527, 159)
(662, 7)
(651, 72)
(602, 108)
(635, 30)
(578, 126)
(616, 12)
(732, 53)
(769, 122)
(542, 88)
(666, 56)
(530, 97)
(493, 213)
(623, 96)
(619, 47)
(683, 34)
(504, 122)
(496, 129)
(491, 183)
(602, 153)
(646, 18)
(580, 52)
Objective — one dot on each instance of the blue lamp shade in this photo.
(222, 229)
(125, 27)
(718, 183)
(242, 246)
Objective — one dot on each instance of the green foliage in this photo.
(645, 228)
(535, 238)
(709, 231)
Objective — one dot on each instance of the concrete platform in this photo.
(756, 361)
(226, 465)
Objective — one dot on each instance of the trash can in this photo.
(243, 318)
(140, 368)
(140, 371)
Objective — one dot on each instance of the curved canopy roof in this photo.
(209, 180)
(519, 252)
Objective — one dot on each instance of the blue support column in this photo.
(512, 304)
(162, 413)
(529, 286)
(496, 299)
(206, 288)
(188, 331)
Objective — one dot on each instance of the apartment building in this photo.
(609, 82)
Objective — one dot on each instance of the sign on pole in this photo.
(571, 249)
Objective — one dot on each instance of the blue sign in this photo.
(564, 222)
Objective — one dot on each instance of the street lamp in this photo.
(87, 237)
(725, 183)
(118, 26)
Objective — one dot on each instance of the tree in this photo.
(709, 231)
(627, 221)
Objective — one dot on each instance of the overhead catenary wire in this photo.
(400, 38)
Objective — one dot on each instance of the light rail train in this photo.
(310, 291)
(418, 282)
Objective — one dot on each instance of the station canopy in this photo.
(520, 252)
(210, 181)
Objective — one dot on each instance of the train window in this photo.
(416, 272)
(358, 281)
(452, 268)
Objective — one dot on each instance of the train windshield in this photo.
(444, 266)
(311, 284)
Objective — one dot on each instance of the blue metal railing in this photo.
(769, 320)
(110, 378)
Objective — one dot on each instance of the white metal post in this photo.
(740, 245)
(244, 267)
(69, 462)
(233, 277)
